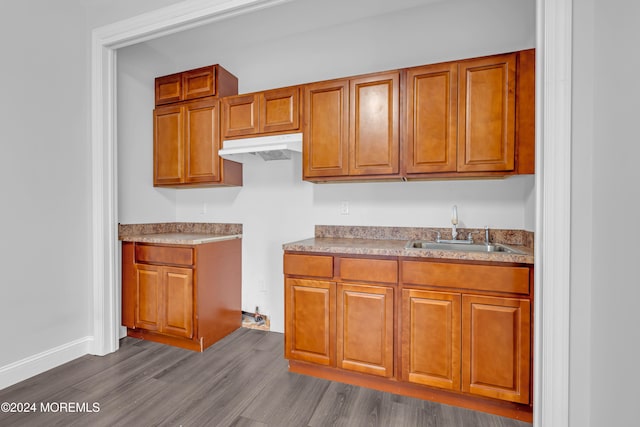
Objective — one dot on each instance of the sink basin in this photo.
(462, 247)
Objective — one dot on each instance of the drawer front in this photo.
(369, 270)
(467, 276)
(308, 265)
(172, 255)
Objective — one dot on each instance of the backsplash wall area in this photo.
(274, 205)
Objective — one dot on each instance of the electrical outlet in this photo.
(344, 207)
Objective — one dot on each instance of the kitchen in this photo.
(274, 204)
(332, 208)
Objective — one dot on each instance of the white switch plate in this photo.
(344, 207)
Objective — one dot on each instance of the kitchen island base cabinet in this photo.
(183, 295)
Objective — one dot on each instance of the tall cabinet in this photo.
(186, 129)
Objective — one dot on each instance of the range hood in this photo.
(273, 147)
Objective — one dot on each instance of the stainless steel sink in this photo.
(462, 247)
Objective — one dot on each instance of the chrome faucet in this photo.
(486, 235)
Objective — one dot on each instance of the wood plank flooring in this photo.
(240, 381)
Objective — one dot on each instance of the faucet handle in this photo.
(470, 236)
(438, 237)
(486, 234)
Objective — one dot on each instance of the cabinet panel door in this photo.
(148, 297)
(240, 115)
(431, 338)
(177, 302)
(487, 114)
(168, 145)
(168, 89)
(310, 321)
(374, 120)
(202, 141)
(365, 329)
(279, 110)
(198, 83)
(496, 343)
(432, 118)
(326, 129)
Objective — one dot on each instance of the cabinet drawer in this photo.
(466, 276)
(154, 254)
(308, 265)
(370, 270)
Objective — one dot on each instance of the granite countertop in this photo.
(180, 238)
(393, 241)
(179, 233)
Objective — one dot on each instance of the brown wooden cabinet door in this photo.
(202, 140)
(164, 299)
(431, 106)
(374, 119)
(365, 329)
(431, 338)
(168, 89)
(326, 129)
(496, 340)
(199, 83)
(148, 297)
(310, 321)
(487, 114)
(168, 145)
(177, 301)
(240, 115)
(280, 110)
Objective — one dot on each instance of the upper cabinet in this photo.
(351, 128)
(186, 129)
(471, 118)
(431, 132)
(468, 118)
(212, 80)
(487, 114)
(268, 112)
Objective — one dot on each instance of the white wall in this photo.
(45, 244)
(605, 284)
(293, 44)
(45, 175)
(582, 215)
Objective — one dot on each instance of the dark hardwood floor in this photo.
(240, 381)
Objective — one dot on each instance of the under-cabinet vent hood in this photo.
(273, 147)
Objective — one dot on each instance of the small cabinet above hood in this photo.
(272, 147)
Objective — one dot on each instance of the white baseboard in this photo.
(33, 365)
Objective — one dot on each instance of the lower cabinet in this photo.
(334, 323)
(164, 298)
(184, 295)
(365, 328)
(477, 344)
(431, 338)
(496, 339)
(413, 326)
(310, 321)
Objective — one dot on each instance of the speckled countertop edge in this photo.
(391, 241)
(179, 233)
